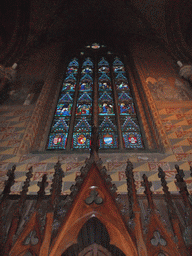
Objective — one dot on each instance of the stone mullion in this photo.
(117, 116)
(73, 112)
(95, 94)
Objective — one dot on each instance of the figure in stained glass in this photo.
(87, 70)
(104, 97)
(117, 69)
(68, 86)
(126, 109)
(122, 85)
(63, 109)
(103, 70)
(106, 108)
(72, 70)
(83, 109)
(85, 86)
(104, 86)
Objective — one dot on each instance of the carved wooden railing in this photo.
(41, 226)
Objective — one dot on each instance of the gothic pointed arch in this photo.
(94, 200)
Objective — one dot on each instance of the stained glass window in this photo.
(95, 90)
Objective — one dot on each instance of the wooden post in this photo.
(135, 211)
(17, 213)
(55, 192)
(172, 213)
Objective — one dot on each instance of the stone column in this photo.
(185, 71)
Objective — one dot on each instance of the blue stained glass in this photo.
(104, 96)
(132, 140)
(87, 70)
(117, 69)
(85, 97)
(63, 109)
(83, 125)
(60, 125)
(122, 86)
(107, 125)
(104, 77)
(68, 86)
(57, 141)
(86, 86)
(117, 62)
(106, 108)
(126, 108)
(103, 62)
(73, 63)
(88, 63)
(103, 70)
(72, 70)
(87, 78)
(66, 98)
(121, 77)
(70, 78)
(105, 86)
(129, 124)
(83, 109)
(108, 140)
(124, 96)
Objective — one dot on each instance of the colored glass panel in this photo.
(86, 86)
(60, 126)
(107, 112)
(132, 140)
(82, 129)
(129, 125)
(57, 141)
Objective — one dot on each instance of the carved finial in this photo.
(8, 183)
(181, 184)
(42, 185)
(167, 194)
(25, 187)
(56, 184)
(131, 188)
(148, 191)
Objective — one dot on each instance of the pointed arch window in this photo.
(95, 91)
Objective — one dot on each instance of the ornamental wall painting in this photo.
(169, 89)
